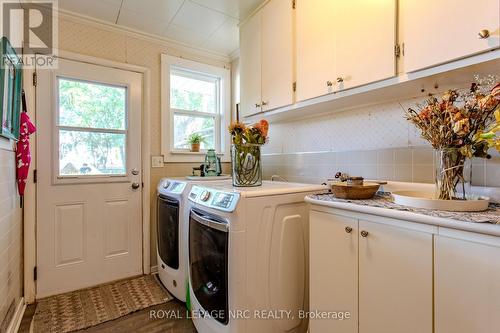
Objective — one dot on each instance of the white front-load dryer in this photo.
(172, 232)
(248, 257)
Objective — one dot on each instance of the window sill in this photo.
(180, 152)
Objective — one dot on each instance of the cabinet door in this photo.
(436, 32)
(250, 65)
(364, 41)
(277, 54)
(467, 288)
(395, 279)
(333, 271)
(314, 41)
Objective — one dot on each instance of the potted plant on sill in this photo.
(195, 140)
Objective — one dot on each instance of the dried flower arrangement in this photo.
(462, 125)
(245, 152)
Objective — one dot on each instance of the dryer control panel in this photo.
(212, 198)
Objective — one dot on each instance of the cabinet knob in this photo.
(264, 103)
(340, 79)
(329, 83)
(484, 34)
(257, 105)
(364, 233)
(348, 230)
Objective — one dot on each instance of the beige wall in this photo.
(79, 37)
(11, 275)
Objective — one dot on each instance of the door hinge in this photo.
(35, 273)
(34, 176)
(397, 50)
(294, 4)
(294, 86)
(35, 79)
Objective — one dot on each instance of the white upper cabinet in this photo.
(277, 54)
(266, 53)
(315, 48)
(343, 44)
(250, 66)
(435, 32)
(365, 37)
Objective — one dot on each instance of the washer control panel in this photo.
(212, 198)
(171, 186)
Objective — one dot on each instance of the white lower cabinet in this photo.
(379, 270)
(333, 287)
(395, 279)
(467, 283)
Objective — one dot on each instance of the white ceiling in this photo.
(209, 24)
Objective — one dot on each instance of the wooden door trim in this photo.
(29, 238)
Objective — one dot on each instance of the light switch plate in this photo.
(157, 161)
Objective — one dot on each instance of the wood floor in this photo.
(140, 321)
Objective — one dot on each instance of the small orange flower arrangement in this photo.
(252, 134)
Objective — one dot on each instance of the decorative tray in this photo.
(427, 200)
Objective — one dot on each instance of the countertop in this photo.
(487, 222)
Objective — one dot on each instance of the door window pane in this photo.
(92, 105)
(91, 153)
(193, 92)
(186, 125)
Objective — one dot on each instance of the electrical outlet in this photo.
(157, 161)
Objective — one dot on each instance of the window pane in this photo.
(89, 153)
(85, 104)
(192, 94)
(184, 126)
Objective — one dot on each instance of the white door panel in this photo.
(364, 42)
(315, 33)
(448, 37)
(89, 221)
(277, 54)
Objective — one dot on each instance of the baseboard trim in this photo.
(18, 317)
(154, 269)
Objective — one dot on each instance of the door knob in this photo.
(257, 105)
(264, 103)
(348, 230)
(329, 83)
(484, 34)
(340, 79)
(364, 233)
(135, 186)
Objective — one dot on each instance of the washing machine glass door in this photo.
(208, 255)
(168, 231)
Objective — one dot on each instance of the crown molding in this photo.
(180, 46)
(234, 55)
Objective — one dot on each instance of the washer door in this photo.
(168, 231)
(208, 259)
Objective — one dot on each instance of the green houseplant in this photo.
(195, 140)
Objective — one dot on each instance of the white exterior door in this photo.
(89, 220)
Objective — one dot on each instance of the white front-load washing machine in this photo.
(172, 231)
(248, 257)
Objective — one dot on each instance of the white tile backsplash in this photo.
(373, 142)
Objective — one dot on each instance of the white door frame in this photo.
(30, 197)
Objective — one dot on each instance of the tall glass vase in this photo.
(246, 165)
(453, 174)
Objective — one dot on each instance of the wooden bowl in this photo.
(343, 190)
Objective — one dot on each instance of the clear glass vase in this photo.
(453, 174)
(246, 165)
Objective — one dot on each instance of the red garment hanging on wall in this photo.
(23, 154)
